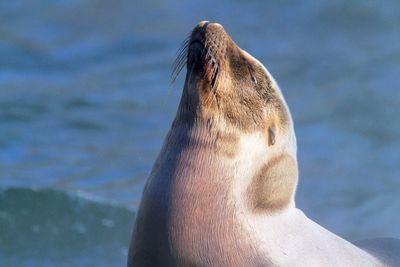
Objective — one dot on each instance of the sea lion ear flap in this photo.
(271, 134)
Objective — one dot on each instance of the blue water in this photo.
(85, 103)
(51, 228)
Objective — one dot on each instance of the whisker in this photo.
(180, 60)
(213, 77)
(178, 65)
(175, 75)
(210, 63)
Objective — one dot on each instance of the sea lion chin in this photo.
(221, 192)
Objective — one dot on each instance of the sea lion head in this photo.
(225, 85)
(234, 96)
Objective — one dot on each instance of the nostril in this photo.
(203, 26)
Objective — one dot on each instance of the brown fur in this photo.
(245, 96)
(227, 144)
(272, 188)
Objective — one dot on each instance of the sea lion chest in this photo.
(189, 211)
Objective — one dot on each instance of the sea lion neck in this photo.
(193, 131)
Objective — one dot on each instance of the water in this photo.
(85, 103)
(51, 228)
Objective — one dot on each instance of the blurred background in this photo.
(85, 103)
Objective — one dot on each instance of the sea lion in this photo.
(221, 192)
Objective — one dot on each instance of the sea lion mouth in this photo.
(203, 52)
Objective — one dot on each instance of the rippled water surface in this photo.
(85, 103)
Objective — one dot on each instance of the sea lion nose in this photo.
(203, 23)
(201, 28)
(205, 26)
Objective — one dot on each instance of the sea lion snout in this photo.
(207, 46)
(209, 34)
(205, 26)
